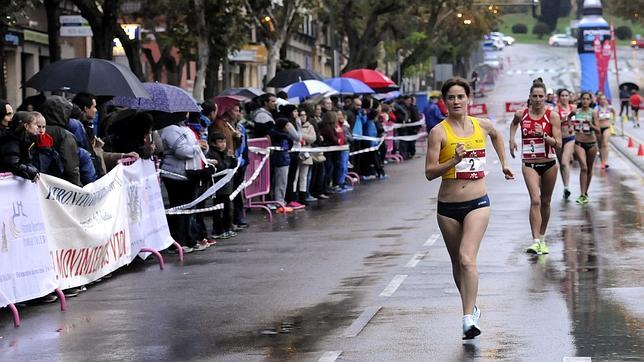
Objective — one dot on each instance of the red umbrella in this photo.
(226, 103)
(372, 78)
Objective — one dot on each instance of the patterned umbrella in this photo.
(163, 97)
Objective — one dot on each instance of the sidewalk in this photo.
(621, 143)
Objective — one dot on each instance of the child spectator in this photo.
(222, 219)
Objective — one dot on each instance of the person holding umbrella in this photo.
(228, 114)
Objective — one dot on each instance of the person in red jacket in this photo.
(636, 102)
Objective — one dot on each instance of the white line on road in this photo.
(393, 285)
(577, 359)
(432, 239)
(356, 327)
(416, 259)
(330, 356)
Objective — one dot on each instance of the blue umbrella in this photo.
(163, 97)
(349, 86)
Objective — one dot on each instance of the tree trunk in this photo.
(172, 68)
(212, 77)
(203, 51)
(273, 59)
(52, 8)
(132, 48)
(156, 66)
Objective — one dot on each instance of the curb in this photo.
(635, 160)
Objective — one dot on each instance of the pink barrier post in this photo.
(157, 255)
(63, 300)
(180, 249)
(355, 178)
(16, 315)
(390, 155)
(261, 186)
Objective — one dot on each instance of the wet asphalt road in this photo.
(300, 287)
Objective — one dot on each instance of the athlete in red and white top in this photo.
(540, 136)
(566, 111)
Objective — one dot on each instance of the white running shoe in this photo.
(470, 329)
(476, 315)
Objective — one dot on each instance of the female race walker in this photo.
(456, 152)
(565, 110)
(604, 114)
(540, 136)
(585, 144)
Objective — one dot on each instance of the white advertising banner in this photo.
(87, 228)
(146, 213)
(26, 268)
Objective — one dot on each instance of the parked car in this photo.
(637, 43)
(507, 40)
(563, 40)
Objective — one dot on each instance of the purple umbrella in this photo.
(163, 97)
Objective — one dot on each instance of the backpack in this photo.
(50, 162)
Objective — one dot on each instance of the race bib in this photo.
(585, 127)
(534, 148)
(472, 166)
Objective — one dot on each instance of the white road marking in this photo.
(416, 259)
(432, 239)
(393, 285)
(577, 359)
(358, 325)
(330, 356)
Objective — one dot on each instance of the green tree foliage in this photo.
(519, 28)
(276, 21)
(367, 23)
(540, 29)
(627, 9)
(623, 33)
(550, 12)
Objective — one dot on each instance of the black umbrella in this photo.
(290, 76)
(630, 86)
(97, 76)
(249, 92)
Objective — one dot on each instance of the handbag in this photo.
(318, 157)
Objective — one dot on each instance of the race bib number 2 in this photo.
(472, 166)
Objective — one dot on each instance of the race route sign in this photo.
(478, 109)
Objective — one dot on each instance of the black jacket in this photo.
(15, 157)
(224, 161)
(56, 111)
